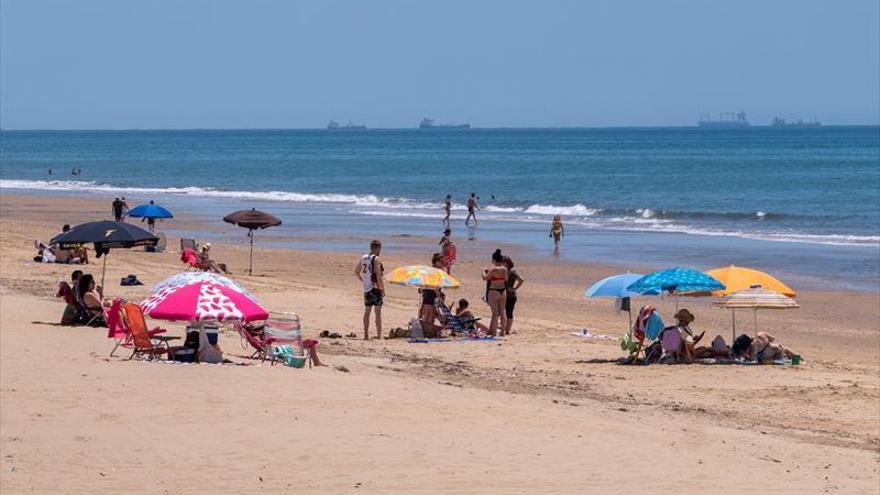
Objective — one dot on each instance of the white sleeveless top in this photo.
(367, 271)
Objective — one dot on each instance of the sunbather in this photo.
(763, 347)
(90, 300)
(206, 263)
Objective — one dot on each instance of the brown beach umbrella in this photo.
(252, 220)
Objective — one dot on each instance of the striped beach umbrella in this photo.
(755, 298)
(423, 277)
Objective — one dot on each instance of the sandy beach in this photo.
(539, 412)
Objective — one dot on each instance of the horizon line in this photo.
(343, 130)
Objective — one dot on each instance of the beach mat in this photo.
(435, 341)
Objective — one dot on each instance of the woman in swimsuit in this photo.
(428, 311)
(496, 280)
(557, 231)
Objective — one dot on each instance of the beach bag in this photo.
(653, 353)
(415, 329)
(71, 314)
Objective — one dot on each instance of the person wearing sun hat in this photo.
(688, 340)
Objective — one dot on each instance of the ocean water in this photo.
(776, 198)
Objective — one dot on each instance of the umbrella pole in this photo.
(733, 313)
(630, 312)
(251, 263)
(104, 271)
(756, 320)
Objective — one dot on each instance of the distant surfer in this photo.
(472, 206)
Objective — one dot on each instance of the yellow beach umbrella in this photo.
(423, 277)
(737, 278)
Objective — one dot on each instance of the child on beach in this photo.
(463, 311)
(557, 231)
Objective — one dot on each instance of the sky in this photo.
(165, 64)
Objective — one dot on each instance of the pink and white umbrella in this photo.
(202, 296)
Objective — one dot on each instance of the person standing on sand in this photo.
(496, 286)
(117, 209)
(447, 207)
(369, 271)
(447, 251)
(557, 231)
(514, 282)
(472, 205)
(124, 208)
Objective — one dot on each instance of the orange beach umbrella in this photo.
(737, 278)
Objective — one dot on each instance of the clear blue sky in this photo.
(109, 64)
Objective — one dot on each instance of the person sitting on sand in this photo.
(428, 311)
(206, 263)
(90, 299)
(557, 231)
(684, 318)
(68, 293)
(762, 347)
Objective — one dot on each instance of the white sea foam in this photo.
(577, 209)
(644, 221)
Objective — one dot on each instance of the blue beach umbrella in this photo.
(151, 210)
(616, 286)
(676, 281)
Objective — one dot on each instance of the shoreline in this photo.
(335, 227)
(452, 416)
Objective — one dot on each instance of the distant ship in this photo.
(429, 124)
(727, 120)
(797, 124)
(333, 125)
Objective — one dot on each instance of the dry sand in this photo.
(540, 412)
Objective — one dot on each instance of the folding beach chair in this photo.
(189, 257)
(455, 324)
(144, 345)
(118, 329)
(284, 329)
(261, 345)
(189, 243)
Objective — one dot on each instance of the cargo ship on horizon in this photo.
(333, 125)
(726, 120)
(779, 122)
(430, 124)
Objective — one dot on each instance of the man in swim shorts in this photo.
(369, 271)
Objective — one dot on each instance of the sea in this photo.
(803, 204)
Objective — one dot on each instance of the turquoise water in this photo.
(743, 193)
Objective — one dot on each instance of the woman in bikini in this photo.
(557, 231)
(428, 311)
(496, 280)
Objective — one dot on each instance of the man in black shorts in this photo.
(117, 209)
(369, 271)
